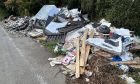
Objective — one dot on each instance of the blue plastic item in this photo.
(116, 58)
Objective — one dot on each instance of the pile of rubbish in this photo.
(98, 72)
(98, 53)
(94, 53)
(50, 21)
(16, 23)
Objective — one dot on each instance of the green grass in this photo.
(135, 75)
(50, 46)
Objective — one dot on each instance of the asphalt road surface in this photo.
(23, 61)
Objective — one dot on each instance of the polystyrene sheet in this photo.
(53, 26)
(123, 32)
(99, 42)
(45, 11)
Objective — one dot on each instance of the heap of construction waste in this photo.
(94, 52)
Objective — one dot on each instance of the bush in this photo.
(3, 14)
(125, 13)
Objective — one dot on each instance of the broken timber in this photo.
(87, 52)
(134, 62)
(77, 59)
(135, 66)
(83, 49)
(88, 47)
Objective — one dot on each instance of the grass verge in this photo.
(50, 46)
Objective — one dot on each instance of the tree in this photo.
(125, 13)
(2, 4)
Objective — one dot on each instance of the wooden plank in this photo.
(104, 54)
(82, 57)
(135, 49)
(135, 66)
(136, 61)
(77, 74)
(88, 47)
(125, 62)
(82, 70)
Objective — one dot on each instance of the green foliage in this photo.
(13, 8)
(88, 6)
(30, 7)
(121, 13)
(3, 14)
(94, 8)
(72, 3)
(24, 9)
(125, 13)
(135, 75)
(2, 4)
(50, 46)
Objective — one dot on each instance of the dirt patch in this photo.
(103, 73)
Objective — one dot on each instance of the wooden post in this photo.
(83, 49)
(88, 47)
(135, 66)
(125, 62)
(87, 53)
(77, 74)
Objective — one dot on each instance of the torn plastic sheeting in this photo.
(106, 46)
(68, 13)
(75, 33)
(104, 22)
(45, 11)
(49, 19)
(95, 25)
(35, 32)
(123, 32)
(126, 57)
(77, 19)
(103, 29)
(53, 26)
(123, 67)
(72, 26)
(64, 11)
(17, 23)
(54, 61)
(74, 12)
(85, 17)
(61, 19)
(129, 80)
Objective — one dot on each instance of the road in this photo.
(23, 61)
